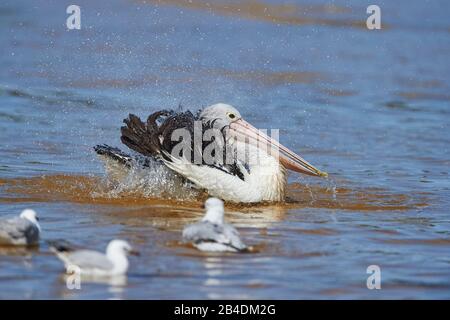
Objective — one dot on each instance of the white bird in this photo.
(94, 263)
(227, 157)
(23, 230)
(212, 233)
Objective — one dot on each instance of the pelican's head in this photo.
(214, 211)
(31, 216)
(119, 247)
(223, 115)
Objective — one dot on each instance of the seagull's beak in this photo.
(134, 252)
(245, 132)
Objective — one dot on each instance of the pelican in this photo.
(222, 154)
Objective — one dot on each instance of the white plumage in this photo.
(212, 233)
(22, 230)
(93, 263)
(257, 171)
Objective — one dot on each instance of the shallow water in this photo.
(369, 107)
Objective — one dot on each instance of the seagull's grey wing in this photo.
(88, 259)
(202, 231)
(232, 235)
(18, 231)
(209, 232)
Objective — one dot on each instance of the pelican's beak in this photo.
(245, 132)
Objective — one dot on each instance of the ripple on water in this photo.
(97, 190)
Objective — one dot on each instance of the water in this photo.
(369, 107)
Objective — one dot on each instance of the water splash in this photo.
(153, 181)
(157, 187)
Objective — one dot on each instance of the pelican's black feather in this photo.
(158, 134)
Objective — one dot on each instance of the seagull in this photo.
(94, 263)
(212, 233)
(222, 154)
(23, 230)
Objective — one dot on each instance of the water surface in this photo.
(369, 107)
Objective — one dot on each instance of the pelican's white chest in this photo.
(266, 175)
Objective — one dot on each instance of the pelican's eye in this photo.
(231, 115)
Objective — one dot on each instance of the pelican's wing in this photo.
(155, 138)
(219, 182)
(114, 154)
(162, 134)
(88, 259)
(117, 163)
(18, 231)
(144, 138)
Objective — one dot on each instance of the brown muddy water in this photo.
(369, 107)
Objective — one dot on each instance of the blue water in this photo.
(369, 107)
